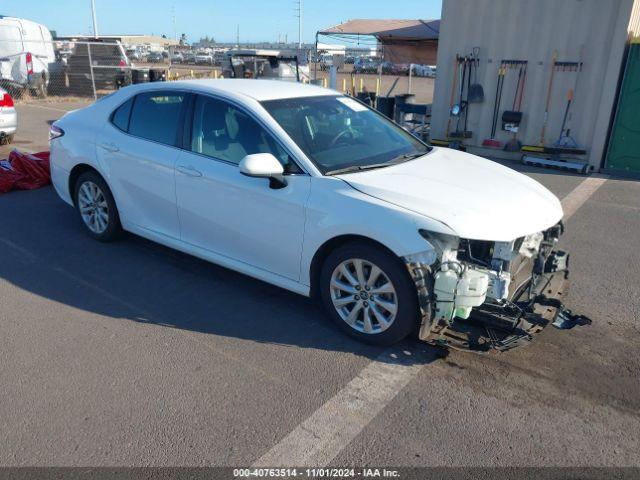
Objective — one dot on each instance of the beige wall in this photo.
(531, 30)
(634, 23)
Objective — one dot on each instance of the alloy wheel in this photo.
(364, 296)
(93, 207)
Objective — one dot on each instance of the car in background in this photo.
(326, 61)
(315, 192)
(155, 57)
(112, 67)
(203, 58)
(26, 56)
(135, 54)
(189, 57)
(176, 57)
(428, 71)
(266, 64)
(8, 118)
(366, 65)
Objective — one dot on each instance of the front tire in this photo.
(368, 293)
(96, 207)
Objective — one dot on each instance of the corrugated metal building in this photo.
(531, 30)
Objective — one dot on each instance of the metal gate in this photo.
(624, 144)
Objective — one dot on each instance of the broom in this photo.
(492, 142)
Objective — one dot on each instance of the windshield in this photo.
(340, 134)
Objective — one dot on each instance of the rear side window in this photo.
(120, 117)
(156, 116)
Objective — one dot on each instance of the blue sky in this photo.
(259, 20)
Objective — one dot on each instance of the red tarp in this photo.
(24, 171)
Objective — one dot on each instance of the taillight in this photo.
(55, 132)
(29, 63)
(6, 100)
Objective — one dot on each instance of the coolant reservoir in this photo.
(472, 290)
(457, 294)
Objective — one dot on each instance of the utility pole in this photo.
(238, 36)
(299, 15)
(173, 18)
(95, 18)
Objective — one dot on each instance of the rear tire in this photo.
(96, 207)
(40, 90)
(369, 294)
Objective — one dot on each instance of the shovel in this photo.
(476, 92)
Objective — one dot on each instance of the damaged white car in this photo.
(314, 192)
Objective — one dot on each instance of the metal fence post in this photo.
(410, 76)
(93, 81)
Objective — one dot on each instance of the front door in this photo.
(228, 213)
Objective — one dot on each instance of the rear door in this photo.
(138, 150)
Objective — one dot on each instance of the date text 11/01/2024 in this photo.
(315, 473)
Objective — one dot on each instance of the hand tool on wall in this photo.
(566, 140)
(549, 93)
(492, 142)
(476, 91)
(511, 119)
(564, 145)
(460, 109)
(456, 67)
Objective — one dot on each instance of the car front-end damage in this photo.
(489, 296)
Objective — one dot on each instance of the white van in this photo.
(26, 54)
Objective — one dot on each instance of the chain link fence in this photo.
(59, 70)
(69, 70)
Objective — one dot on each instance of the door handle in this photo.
(192, 172)
(110, 147)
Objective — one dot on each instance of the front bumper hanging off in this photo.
(499, 326)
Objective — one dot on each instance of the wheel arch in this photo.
(330, 245)
(75, 173)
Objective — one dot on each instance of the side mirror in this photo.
(264, 165)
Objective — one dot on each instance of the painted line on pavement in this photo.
(320, 438)
(45, 107)
(572, 202)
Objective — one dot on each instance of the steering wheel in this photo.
(341, 135)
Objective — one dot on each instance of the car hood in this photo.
(477, 198)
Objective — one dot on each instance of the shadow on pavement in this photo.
(46, 252)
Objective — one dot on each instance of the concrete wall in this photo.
(531, 30)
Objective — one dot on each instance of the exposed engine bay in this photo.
(483, 296)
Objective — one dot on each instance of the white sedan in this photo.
(315, 192)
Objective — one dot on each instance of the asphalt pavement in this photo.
(131, 354)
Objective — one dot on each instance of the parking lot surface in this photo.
(131, 354)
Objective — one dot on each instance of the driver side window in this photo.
(224, 132)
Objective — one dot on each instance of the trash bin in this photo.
(365, 97)
(385, 106)
(157, 75)
(400, 100)
(139, 75)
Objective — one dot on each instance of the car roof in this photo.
(259, 90)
